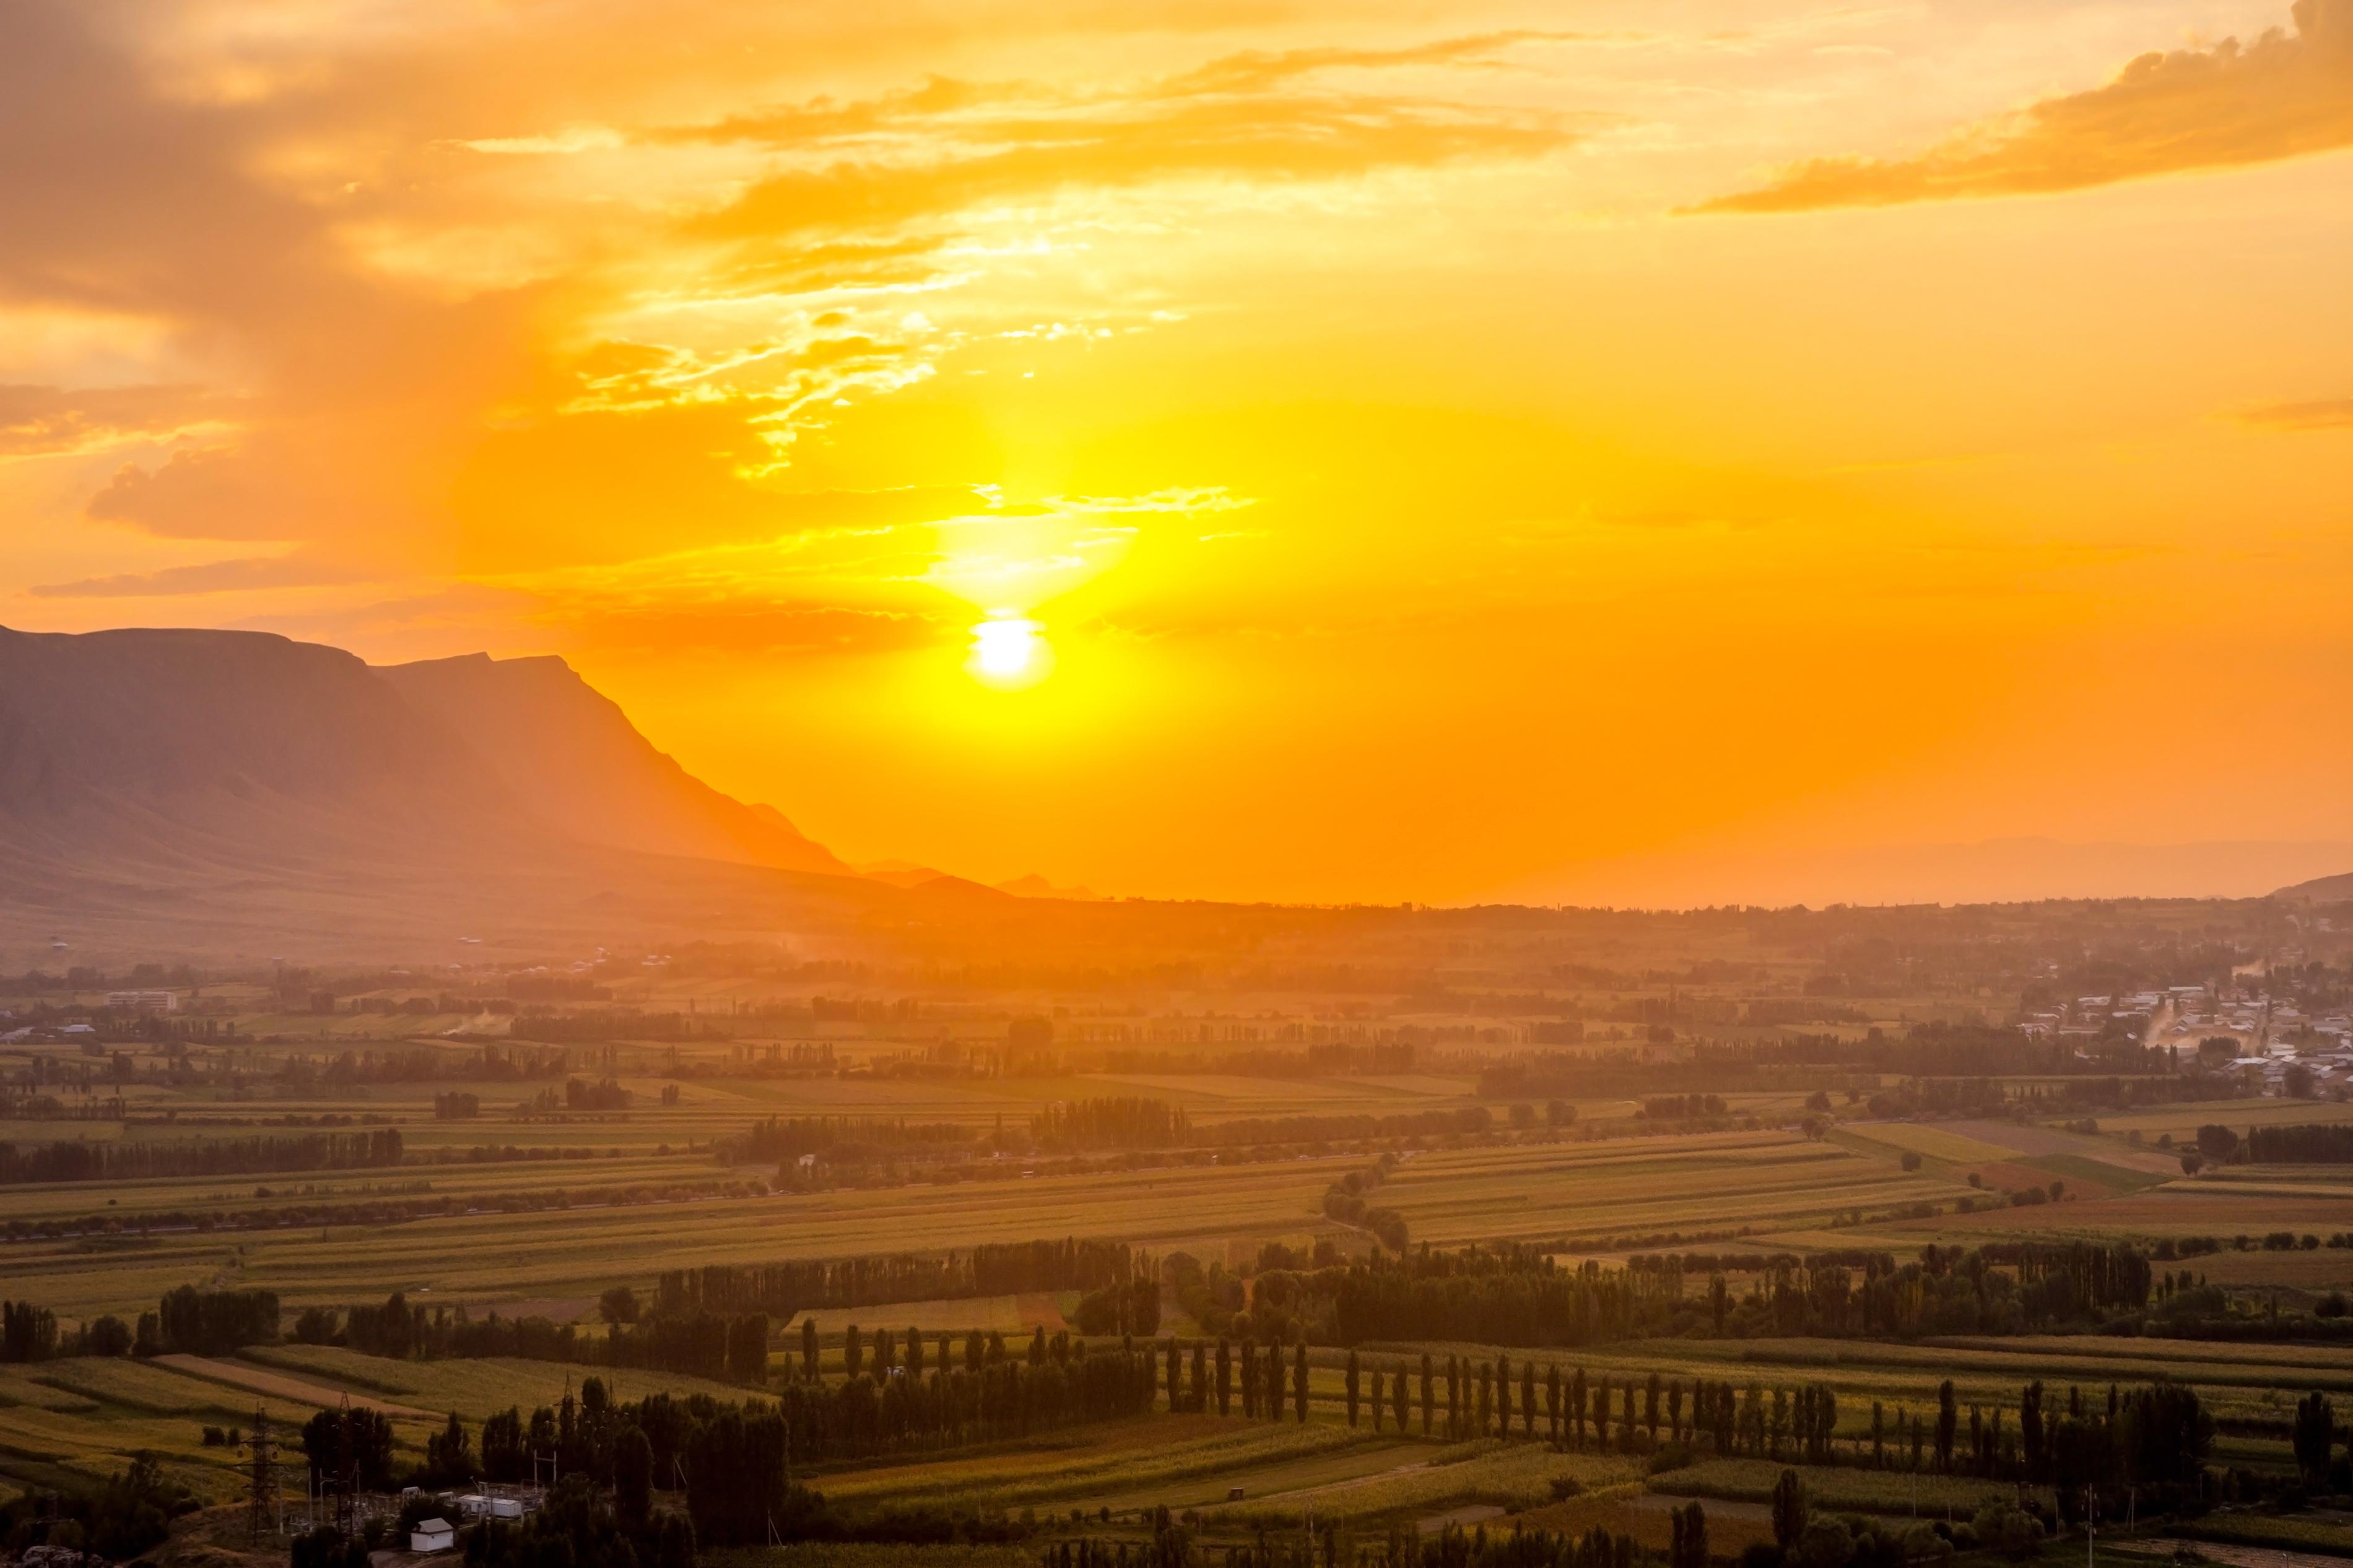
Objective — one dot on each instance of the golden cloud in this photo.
(48, 421)
(2285, 95)
(2327, 414)
(1248, 115)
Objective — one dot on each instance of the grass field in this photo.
(1927, 1138)
(1729, 1183)
(1710, 1184)
(1742, 1190)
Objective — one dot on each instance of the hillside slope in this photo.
(2320, 889)
(237, 794)
(571, 758)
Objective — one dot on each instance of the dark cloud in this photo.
(2286, 94)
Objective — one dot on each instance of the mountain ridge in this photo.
(241, 793)
(572, 756)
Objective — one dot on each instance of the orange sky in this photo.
(1603, 452)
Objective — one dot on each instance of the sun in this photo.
(1009, 652)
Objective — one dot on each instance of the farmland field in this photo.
(1714, 1185)
(620, 1200)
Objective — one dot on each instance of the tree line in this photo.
(82, 1160)
(1172, 1544)
(1121, 1121)
(1520, 1297)
(992, 1269)
(2311, 1144)
(780, 1139)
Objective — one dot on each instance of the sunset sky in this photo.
(1587, 451)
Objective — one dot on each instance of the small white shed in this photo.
(432, 1535)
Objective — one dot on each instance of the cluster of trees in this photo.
(738, 1459)
(1130, 1308)
(579, 1094)
(702, 1345)
(349, 1448)
(996, 1269)
(1683, 1107)
(781, 1140)
(607, 1024)
(400, 1329)
(1344, 1200)
(2309, 1144)
(1519, 1297)
(201, 1322)
(209, 1322)
(575, 1526)
(80, 1160)
(118, 1518)
(1110, 1123)
(1462, 1398)
(1209, 1296)
(1405, 1298)
(456, 1105)
(2155, 1438)
(28, 1333)
(699, 1343)
(1805, 1539)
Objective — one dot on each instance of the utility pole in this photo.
(262, 1499)
(347, 1476)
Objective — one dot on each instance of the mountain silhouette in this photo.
(242, 793)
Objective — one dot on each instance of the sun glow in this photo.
(1008, 652)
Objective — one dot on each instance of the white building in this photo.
(145, 1001)
(432, 1535)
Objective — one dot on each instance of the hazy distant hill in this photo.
(159, 743)
(237, 792)
(572, 760)
(2321, 890)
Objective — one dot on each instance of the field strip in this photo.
(1392, 1471)
(260, 1380)
(2054, 1140)
(1937, 1143)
